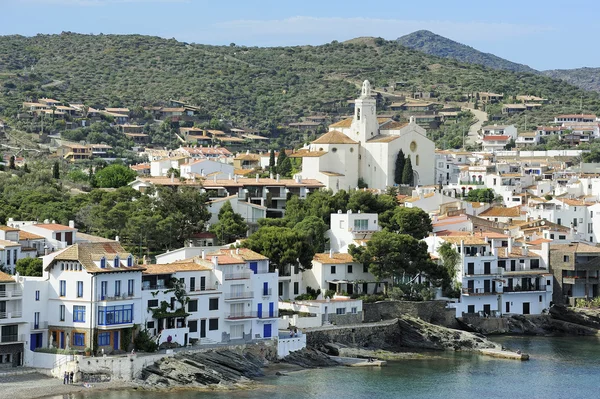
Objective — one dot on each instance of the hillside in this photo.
(252, 86)
(586, 78)
(430, 43)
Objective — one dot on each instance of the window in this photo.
(117, 262)
(193, 306)
(562, 237)
(130, 287)
(78, 339)
(104, 339)
(118, 288)
(296, 288)
(213, 304)
(552, 236)
(213, 324)
(103, 263)
(79, 314)
(61, 310)
(153, 303)
(63, 288)
(417, 160)
(540, 298)
(150, 324)
(558, 221)
(103, 290)
(193, 326)
(79, 289)
(130, 261)
(340, 311)
(349, 268)
(354, 310)
(332, 269)
(365, 269)
(502, 264)
(37, 295)
(361, 224)
(110, 315)
(9, 334)
(565, 258)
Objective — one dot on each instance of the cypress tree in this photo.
(272, 161)
(407, 174)
(56, 171)
(281, 158)
(399, 167)
(11, 162)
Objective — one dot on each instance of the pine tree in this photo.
(399, 167)
(272, 161)
(56, 170)
(407, 174)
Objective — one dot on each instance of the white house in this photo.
(365, 147)
(351, 228)
(205, 167)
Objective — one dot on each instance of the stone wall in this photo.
(345, 319)
(434, 312)
(381, 335)
(14, 352)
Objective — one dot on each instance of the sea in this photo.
(558, 368)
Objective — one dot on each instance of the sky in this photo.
(544, 34)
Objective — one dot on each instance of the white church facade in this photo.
(366, 147)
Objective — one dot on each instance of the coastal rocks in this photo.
(584, 317)
(309, 358)
(215, 368)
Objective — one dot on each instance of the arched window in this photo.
(357, 114)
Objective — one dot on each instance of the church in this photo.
(366, 147)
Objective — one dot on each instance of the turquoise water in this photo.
(559, 368)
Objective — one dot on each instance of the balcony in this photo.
(42, 325)
(267, 315)
(240, 316)
(123, 297)
(15, 314)
(6, 339)
(11, 294)
(478, 291)
(238, 276)
(154, 287)
(231, 296)
(520, 270)
(508, 290)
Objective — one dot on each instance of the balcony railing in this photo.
(238, 276)
(478, 291)
(267, 315)
(241, 315)
(15, 314)
(541, 288)
(12, 338)
(154, 287)
(122, 297)
(11, 294)
(42, 325)
(239, 295)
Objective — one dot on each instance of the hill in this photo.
(252, 86)
(586, 78)
(430, 43)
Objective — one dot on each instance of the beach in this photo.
(35, 385)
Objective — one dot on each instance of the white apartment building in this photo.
(351, 228)
(496, 278)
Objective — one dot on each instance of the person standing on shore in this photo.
(65, 378)
(71, 378)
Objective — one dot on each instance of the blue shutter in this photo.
(254, 267)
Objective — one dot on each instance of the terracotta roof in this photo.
(516, 253)
(54, 226)
(7, 228)
(579, 247)
(468, 240)
(382, 139)
(244, 254)
(501, 212)
(334, 137)
(343, 123)
(306, 153)
(247, 157)
(89, 253)
(496, 138)
(6, 243)
(336, 258)
(25, 235)
(181, 266)
(393, 125)
(326, 173)
(539, 241)
(6, 278)
(574, 202)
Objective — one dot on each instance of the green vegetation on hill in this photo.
(430, 43)
(586, 78)
(251, 86)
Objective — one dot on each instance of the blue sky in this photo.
(544, 34)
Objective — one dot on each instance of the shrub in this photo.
(144, 343)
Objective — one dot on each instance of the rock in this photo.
(279, 373)
(309, 358)
(332, 349)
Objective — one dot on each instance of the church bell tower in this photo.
(364, 124)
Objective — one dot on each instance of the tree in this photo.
(407, 173)
(230, 226)
(400, 161)
(390, 256)
(272, 161)
(412, 221)
(284, 164)
(314, 228)
(26, 168)
(55, 170)
(114, 176)
(282, 245)
(29, 267)
(481, 195)
(450, 261)
(11, 162)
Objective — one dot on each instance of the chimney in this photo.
(203, 255)
(229, 176)
(117, 238)
(510, 244)
(339, 211)
(271, 175)
(72, 224)
(46, 221)
(215, 261)
(215, 178)
(257, 177)
(524, 250)
(331, 253)
(172, 177)
(277, 177)
(46, 250)
(237, 251)
(53, 221)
